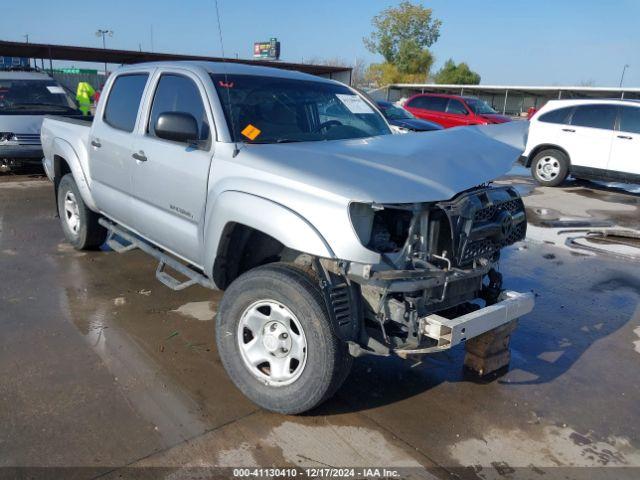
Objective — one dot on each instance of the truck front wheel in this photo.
(79, 224)
(276, 341)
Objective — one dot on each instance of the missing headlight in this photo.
(381, 230)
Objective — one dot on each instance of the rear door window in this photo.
(561, 115)
(456, 107)
(595, 116)
(177, 93)
(123, 103)
(437, 104)
(630, 119)
(419, 102)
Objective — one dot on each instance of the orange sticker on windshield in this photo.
(251, 132)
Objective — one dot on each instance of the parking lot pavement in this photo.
(103, 367)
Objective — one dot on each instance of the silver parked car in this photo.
(25, 98)
(331, 237)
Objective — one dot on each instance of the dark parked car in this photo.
(403, 121)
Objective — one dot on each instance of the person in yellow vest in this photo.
(84, 93)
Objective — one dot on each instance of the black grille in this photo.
(518, 233)
(488, 213)
(28, 138)
(484, 221)
(477, 249)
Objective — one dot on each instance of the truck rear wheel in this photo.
(276, 341)
(79, 224)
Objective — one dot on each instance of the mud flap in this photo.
(489, 352)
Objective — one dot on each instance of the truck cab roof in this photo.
(231, 68)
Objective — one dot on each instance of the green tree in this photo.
(459, 74)
(383, 74)
(413, 60)
(403, 35)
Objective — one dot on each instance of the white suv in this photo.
(595, 139)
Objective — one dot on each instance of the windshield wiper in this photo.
(30, 105)
(276, 140)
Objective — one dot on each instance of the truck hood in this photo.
(395, 168)
(21, 123)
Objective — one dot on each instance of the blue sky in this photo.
(508, 42)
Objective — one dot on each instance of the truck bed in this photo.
(72, 131)
(77, 119)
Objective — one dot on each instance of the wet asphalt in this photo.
(104, 371)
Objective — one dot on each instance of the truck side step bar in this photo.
(194, 277)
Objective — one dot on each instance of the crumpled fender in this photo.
(274, 219)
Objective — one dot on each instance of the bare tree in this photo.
(358, 67)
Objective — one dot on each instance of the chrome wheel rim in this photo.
(548, 168)
(72, 212)
(272, 343)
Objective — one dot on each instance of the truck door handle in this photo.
(571, 130)
(625, 137)
(96, 143)
(140, 156)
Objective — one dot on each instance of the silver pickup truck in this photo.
(331, 237)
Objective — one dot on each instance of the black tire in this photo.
(89, 234)
(555, 159)
(327, 358)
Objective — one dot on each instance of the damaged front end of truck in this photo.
(437, 284)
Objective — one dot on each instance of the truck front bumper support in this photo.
(448, 332)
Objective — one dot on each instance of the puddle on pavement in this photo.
(580, 238)
(544, 447)
(555, 214)
(618, 282)
(615, 193)
(153, 395)
(159, 349)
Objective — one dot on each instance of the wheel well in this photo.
(545, 146)
(242, 248)
(60, 168)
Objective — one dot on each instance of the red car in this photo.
(453, 110)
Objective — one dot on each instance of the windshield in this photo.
(479, 107)
(24, 97)
(396, 113)
(279, 110)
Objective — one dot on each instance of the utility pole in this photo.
(26, 39)
(624, 69)
(103, 34)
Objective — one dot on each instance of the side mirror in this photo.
(177, 126)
